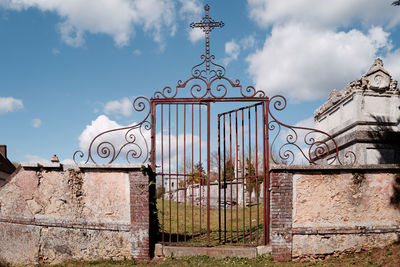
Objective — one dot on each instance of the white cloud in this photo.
(171, 149)
(117, 18)
(392, 63)
(380, 38)
(190, 9)
(232, 50)
(195, 35)
(117, 138)
(35, 159)
(305, 63)
(323, 13)
(36, 123)
(100, 124)
(10, 104)
(123, 107)
(248, 42)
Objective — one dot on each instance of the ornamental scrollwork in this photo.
(313, 145)
(130, 141)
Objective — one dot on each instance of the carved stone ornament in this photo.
(376, 79)
(379, 79)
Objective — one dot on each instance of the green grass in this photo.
(195, 222)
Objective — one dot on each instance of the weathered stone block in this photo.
(328, 244)
(19, 243)
(59, 244)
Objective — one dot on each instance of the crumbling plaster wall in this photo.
(349, 210)
(334, 209)
(50, 213)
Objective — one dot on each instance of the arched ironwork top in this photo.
(208, 81)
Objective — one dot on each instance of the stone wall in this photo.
(52, 213)
(323, 210)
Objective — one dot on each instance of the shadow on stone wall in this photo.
(154, 226)
(395, 198)
(385, 138)
(385, 133)
(5, 181)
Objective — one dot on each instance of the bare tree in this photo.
(396, 3)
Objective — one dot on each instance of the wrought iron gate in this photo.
(243, 173)
(194, 177)
(183, 132)
(212, 171)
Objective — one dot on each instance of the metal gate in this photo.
(243, 175)
(197, 191)
(212, 165)
(188, 163)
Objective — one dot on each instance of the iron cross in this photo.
(207, 25)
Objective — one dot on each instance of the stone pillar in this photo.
(139, 208)
(281, 215)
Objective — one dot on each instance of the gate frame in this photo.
(266, 193)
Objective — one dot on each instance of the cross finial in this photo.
(207, 25)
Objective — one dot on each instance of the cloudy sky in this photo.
(71, 68)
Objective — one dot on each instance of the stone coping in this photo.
(81, 166)
(357, 229)
(320, 168)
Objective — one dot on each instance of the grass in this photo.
(243, 231)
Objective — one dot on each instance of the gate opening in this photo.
(213, 171)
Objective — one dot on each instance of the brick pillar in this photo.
(139, 203)
(281, 215)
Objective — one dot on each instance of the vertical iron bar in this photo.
(243, 179)
(250, 173)
(237, 178)
(219, 178)
(208, 171)
(162, 173)
(192, 173)
(231, 164)
(177, 176)
(200, 165)
(267, 177)
(224, 133)
(169, 171)
(257, 185)
(184, 166)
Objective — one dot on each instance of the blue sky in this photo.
(69, 64)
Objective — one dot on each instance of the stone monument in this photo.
(364, 118)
